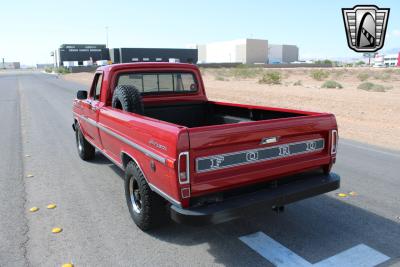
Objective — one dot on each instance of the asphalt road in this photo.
(36, 120)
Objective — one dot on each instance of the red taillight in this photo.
(334, 143)
(183, 168)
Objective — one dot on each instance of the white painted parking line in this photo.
(276, 253)
(279, 255)
(360, 255)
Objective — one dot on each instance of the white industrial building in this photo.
(278, 54)
(246, 51)
(391, 60)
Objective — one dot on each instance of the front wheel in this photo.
(85, 150)
(147, 209)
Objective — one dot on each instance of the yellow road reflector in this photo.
(29, 175)
(56, 230)
(342, 195)
(67, 265)
(352, 193)
(51, 206)
(33, 209)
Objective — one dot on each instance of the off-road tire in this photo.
(127, 98)
(85, 150)
(153, 210)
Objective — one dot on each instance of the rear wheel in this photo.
(85, 150)
(147, 209)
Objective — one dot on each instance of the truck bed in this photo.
(229, 152)
(212, 113)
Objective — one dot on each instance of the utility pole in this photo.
(107, 36)
(55, 58)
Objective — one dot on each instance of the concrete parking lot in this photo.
(36, 140)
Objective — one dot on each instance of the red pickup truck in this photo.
(195, 160)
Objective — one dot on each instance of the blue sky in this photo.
(29, 30)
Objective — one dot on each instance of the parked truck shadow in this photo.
(315, 229)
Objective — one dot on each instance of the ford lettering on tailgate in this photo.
(216, 162)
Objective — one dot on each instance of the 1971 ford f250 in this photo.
(195, 160)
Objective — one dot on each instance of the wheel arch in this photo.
(77, 122)
(126, 158)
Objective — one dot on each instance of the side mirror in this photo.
(81, 95)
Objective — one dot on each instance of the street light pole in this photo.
(107, 36)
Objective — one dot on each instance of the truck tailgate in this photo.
(232, 155)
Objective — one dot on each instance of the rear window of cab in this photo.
(163, 82)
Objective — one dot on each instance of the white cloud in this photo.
(396, 32)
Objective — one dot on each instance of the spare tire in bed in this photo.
(127, 98)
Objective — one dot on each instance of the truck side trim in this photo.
(132, 144)
(107, 156)
(153, 187)
(164, 195)
(123, 139)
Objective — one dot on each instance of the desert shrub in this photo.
(363, 76)
(298, 83)
(332, 84)
(62, 70)
(271, 77)
(326, 61)
(219, 78)
(48, 69)
(338, 73)
(319, 75)
(389, 71)
(222, 72)
(372, 87)
(383, 76)
(245, 72)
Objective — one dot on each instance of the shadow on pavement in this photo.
(315, 229)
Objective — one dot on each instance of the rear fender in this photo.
(128, 156)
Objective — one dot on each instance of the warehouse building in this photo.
(10, 65)
(278, 54)
(74, 55)
(77, 54)
(246, 51)
(126, 55)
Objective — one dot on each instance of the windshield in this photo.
(179, 82)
